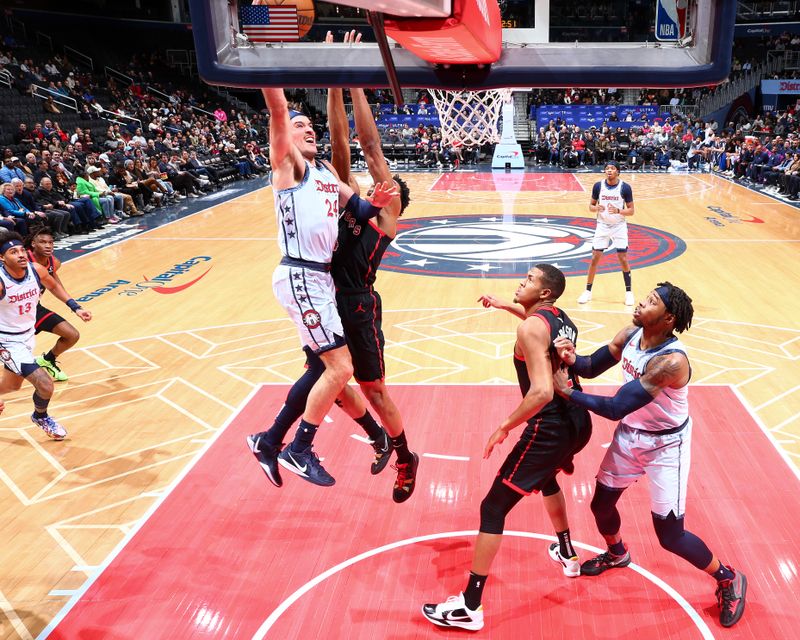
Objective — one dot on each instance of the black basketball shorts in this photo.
(546, 446)
(361, 315)
(46, 320)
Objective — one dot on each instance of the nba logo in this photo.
(671, 20)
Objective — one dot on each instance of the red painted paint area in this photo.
(226, 548)
(502, 181)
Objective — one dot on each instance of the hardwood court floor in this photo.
(186, 328)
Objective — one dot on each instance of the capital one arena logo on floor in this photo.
(508, 246)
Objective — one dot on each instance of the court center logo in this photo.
(508, 246)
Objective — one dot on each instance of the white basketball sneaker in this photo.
(629, 300)
(454, 613)
(586, 296)
(570, 566)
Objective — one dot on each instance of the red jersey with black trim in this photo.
(359, 253)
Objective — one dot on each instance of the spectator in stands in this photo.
(83, 187)
(13, 210)
(123, 182)
(181, 181)
(601, 150)
(590, 147)
(82, 211)
(42, 169)
(114, 203)
(161, 192)
(22, 134)
(56, 209)
(579, 146)
(220, 115)
(11, 170)
(30, 165)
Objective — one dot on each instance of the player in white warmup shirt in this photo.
(308, 196)
(21, 283)
(612, 201)
(653, 437)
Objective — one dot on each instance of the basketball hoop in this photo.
(470, 118)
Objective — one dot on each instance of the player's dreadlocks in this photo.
(34, 232)
(679, 305)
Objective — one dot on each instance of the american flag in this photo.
(263, 23)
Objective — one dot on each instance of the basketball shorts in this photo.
(16, 352)
(665, 459)
(361, 315)
(606, 235)
(546, 446)
(310, 300)
(46, 320)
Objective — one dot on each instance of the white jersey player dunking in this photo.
(653, 437)
(612, 201)
(308, 197)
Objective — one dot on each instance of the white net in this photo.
(470, 118)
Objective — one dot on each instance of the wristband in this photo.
(361, 209)
(74, 306)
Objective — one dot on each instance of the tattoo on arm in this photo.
(662, 372)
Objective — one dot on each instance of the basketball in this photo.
(305, 12)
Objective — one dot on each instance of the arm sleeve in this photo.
(596, 191)
(595, 364)
(629, 398)
(361, 209)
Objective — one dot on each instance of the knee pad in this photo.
(604, 508)
(551, 488)
(496, 506)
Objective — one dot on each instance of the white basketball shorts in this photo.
(606, 235)
(16, 351)
(309, 298)
(665, 459)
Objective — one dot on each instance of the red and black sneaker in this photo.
(406, 479)
(604, 562)
(730, 598)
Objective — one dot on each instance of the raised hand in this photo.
(383, 193)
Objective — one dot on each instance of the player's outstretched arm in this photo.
(339, 129)
(369, 137)
(490, 301)
(283, 154)
(55, 287)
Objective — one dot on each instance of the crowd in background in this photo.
(160, 142)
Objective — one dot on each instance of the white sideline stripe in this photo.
(78, 593)
(440, 456)
(781, 451)
(705, 632)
